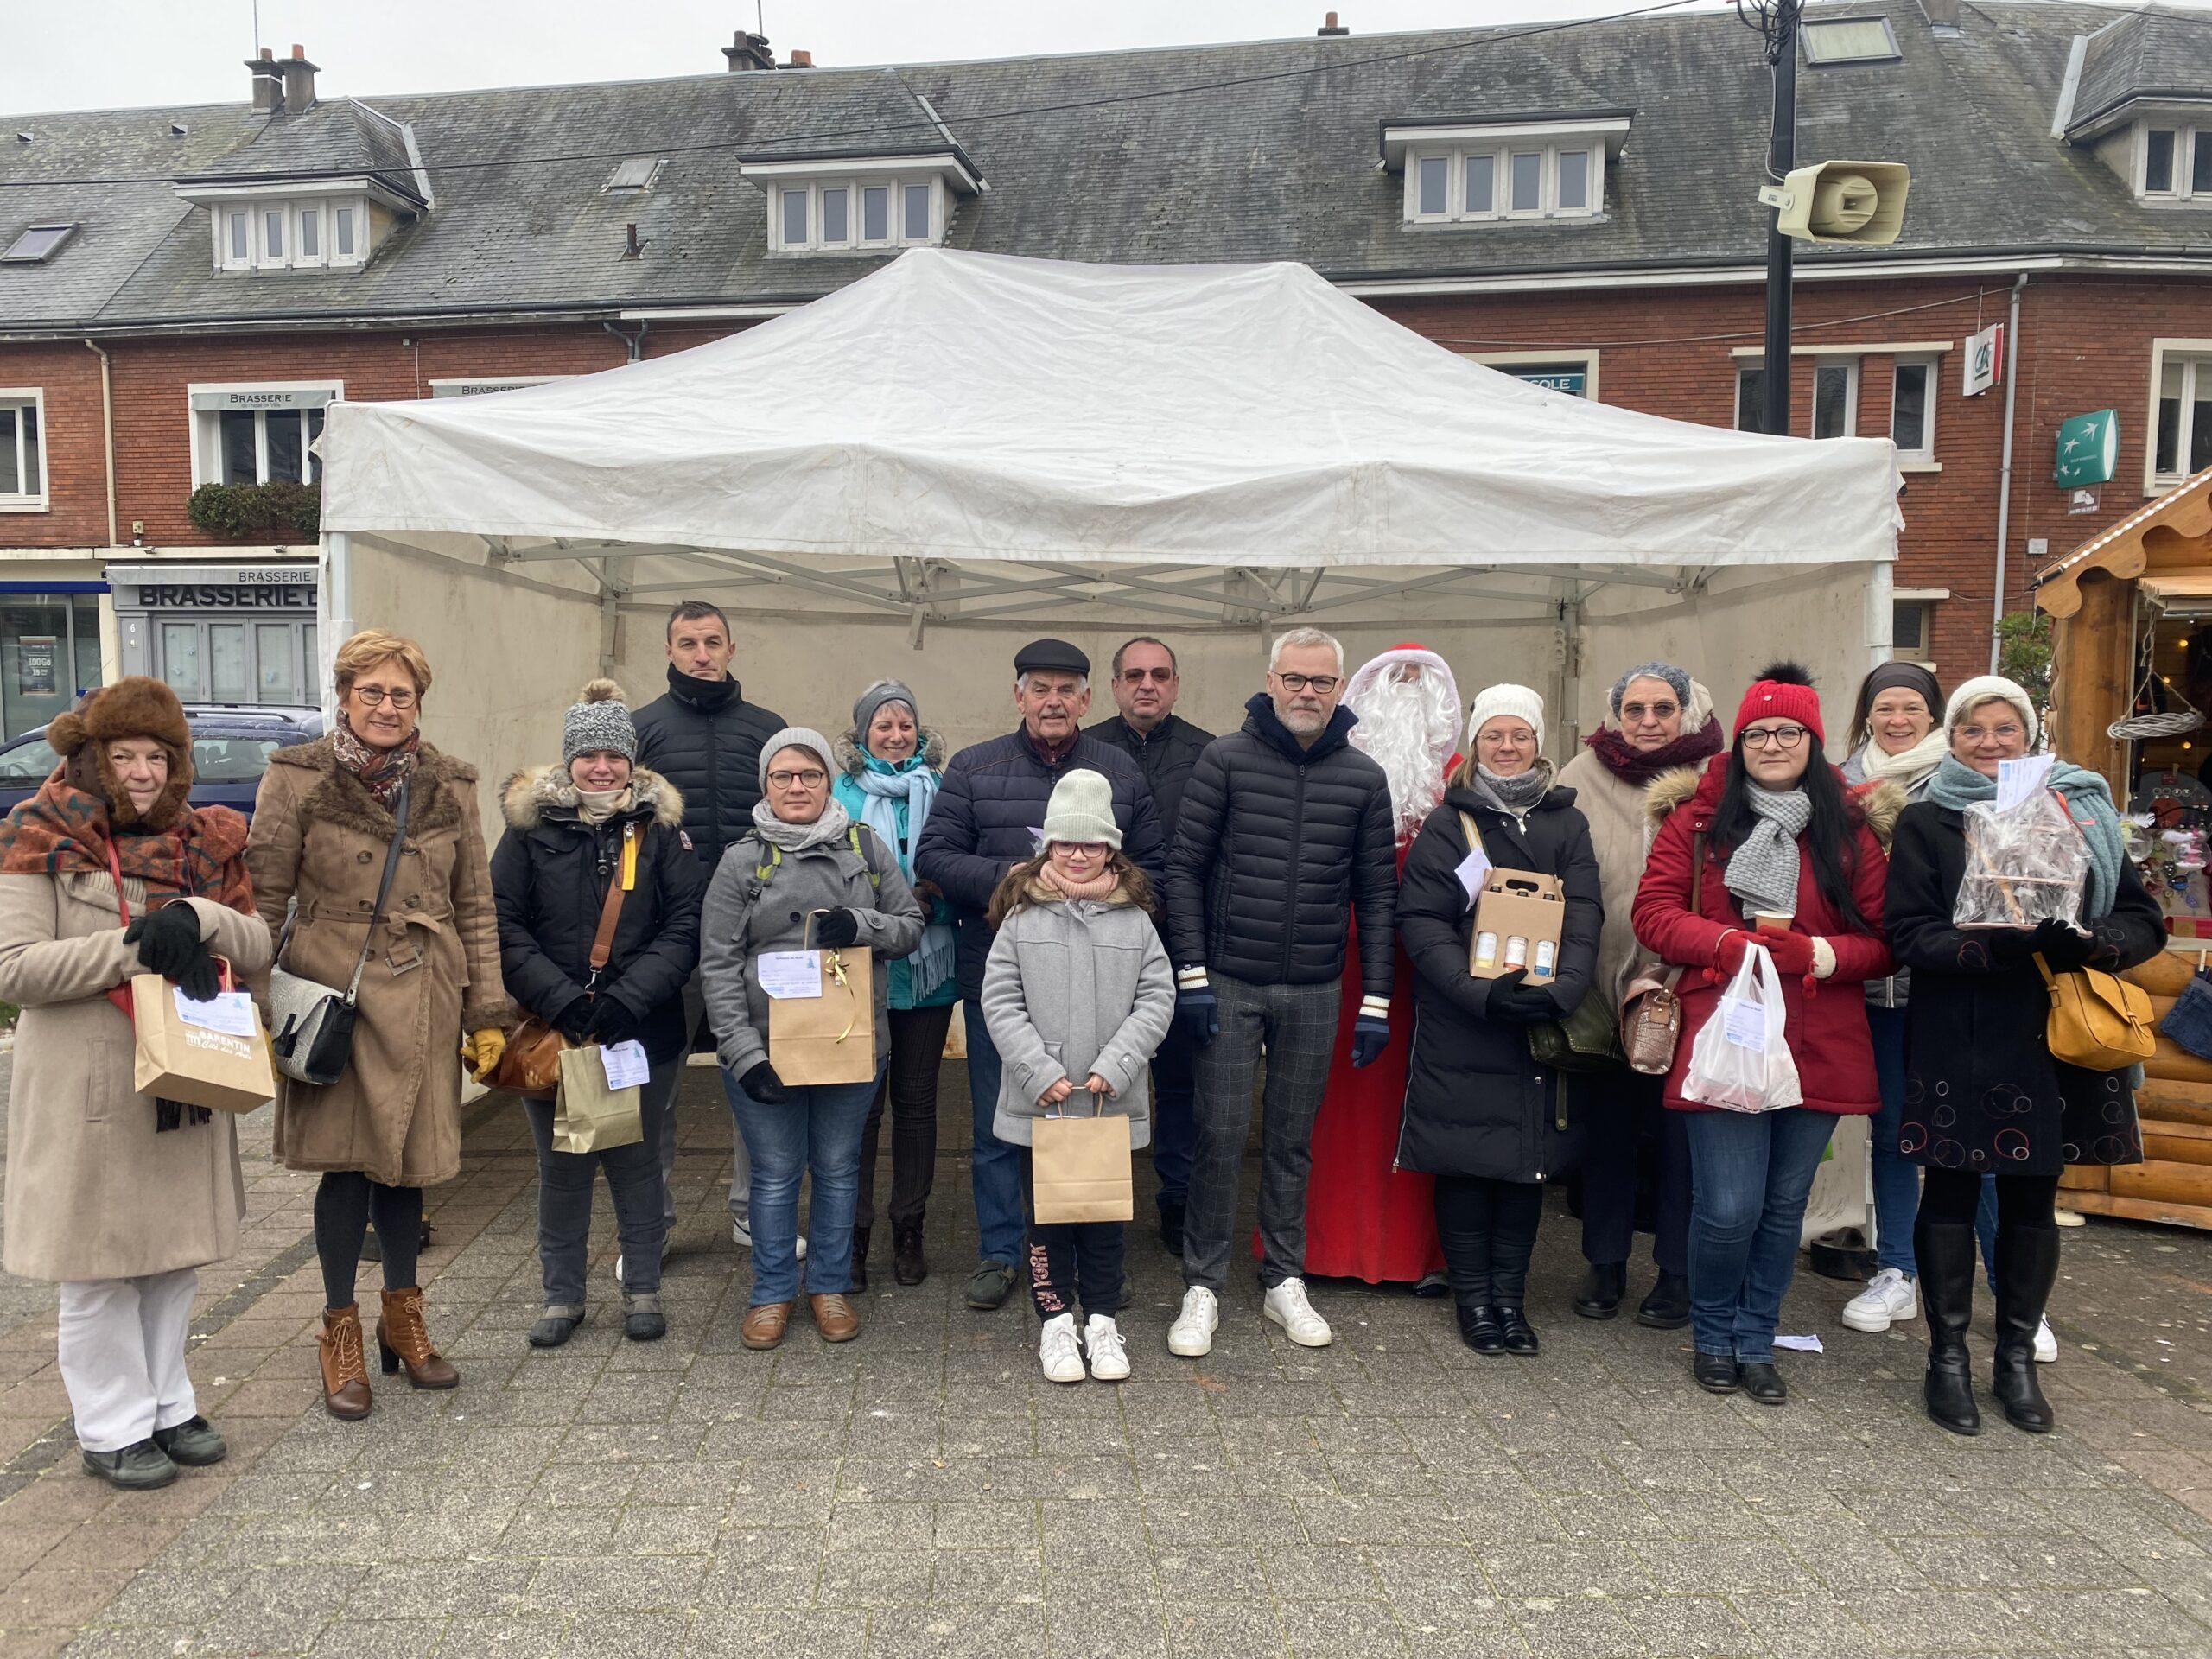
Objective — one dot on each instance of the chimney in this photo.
(800, 61)
(299, 82)
(267, 89)
(1330, 26)
(749, 52)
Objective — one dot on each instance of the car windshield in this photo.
(28, 765)
(239, 759)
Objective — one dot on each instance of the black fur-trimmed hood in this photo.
(525, 797)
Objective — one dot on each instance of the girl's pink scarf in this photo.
(1099, 885)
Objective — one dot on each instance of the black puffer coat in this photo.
(1273, 845)
(549, 881)
(986, 819)
(1167, 755)
(710, 751)
(1476, 1104)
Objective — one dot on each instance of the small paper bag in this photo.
(588, 1115)
(1081, 1167)
(828, 1037)
(213, 1054)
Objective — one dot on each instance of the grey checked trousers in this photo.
(1295, 1025)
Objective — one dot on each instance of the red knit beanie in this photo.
(1783, 691)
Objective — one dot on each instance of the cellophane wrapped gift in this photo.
(2024, 864)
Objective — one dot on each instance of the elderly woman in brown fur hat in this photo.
(120, 1198)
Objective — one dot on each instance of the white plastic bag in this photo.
(1741, 1059)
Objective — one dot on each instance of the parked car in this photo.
(230, 745)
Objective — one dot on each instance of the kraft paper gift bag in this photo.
(214, 1054)
(821, 1015)
(1081, 1167)
(589, 1113)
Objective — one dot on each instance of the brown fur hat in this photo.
(134, 707)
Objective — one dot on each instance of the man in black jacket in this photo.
(705, 738)
(1166, 748)
(1282, 822)
(986, 821)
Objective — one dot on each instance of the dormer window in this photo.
(262, 234)
(2174, 162)
(1520, 170)
(857, 206)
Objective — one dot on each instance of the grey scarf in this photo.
(791, 837)
(1763, 872)
(1516, 796)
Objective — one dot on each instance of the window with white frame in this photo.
(2181, 426)
(1836, 397)
(1912, 407)
(261, 234)
(1912, 629)
(1750, 398)
(1574, 372)
(1481, 182)
(2173, 162)
(859, 214)
(22, 459)
(258, 433)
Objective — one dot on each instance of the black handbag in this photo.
(311, 1034)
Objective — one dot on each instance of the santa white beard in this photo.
(1408, 727)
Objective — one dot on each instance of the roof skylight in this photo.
(37, 243)
(1849, 39)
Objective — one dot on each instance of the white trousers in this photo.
(122, 1354)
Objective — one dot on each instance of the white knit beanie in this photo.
(796, 737)
(1497, 700)
(1989, 688)
(1082, 810)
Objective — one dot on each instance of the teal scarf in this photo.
(896, 798)
(2088, 799)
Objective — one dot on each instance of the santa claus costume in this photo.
(1364, 1218)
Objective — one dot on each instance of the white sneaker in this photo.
(740, 1234)
(1889, 1297)
(1057, 1351)
(1110, 1356)
(1287, 1307)
(2046, 1343)
(1191, 1335)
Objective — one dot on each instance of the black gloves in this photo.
(2061, 946)
(1514, 1003)
(764, 1085)
(611, 1023)
(169, 945)
(836, 929)
(574, 1020)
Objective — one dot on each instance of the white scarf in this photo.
(1910, 767)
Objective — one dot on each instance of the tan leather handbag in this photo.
(531, 1065)
(1651, 1022)
(2097, 1020)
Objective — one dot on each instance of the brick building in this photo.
(183, 291)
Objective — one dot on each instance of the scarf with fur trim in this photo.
(381, 770)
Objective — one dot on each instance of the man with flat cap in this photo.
(988, 815)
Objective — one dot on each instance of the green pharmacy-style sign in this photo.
(2089, 449)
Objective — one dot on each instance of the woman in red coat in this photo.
(1769, 831)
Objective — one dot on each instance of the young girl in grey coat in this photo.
(1076, 986)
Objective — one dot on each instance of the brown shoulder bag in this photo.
(530, 1066)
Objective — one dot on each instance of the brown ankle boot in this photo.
(402, 1340)
(345, 1371)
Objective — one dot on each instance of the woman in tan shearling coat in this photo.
(119, 1197)
(390, 1125)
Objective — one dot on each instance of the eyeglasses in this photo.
(1139, 676)
(1775, 737)
(2002, 734)
(377, 696)
(812, 778)
(1322, 685)
(1084, 848)
(1654, 710)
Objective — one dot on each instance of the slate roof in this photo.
(341, 138)
(1258, 151)
(2153, 52)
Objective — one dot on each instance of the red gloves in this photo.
(1792, 954)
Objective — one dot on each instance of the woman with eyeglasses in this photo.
(1768, 848)
(806, 877)
(325, 816)
(1982, 1094)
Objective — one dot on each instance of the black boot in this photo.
(1668, 1306)
(1947, 1256)
(2027, 1267)
(1603, 1286)
(1520, 1338)
(1480, 1330)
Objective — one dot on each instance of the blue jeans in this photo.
(994, 1167)
(1174, 1125)
(1897, 1180)
(1750, 1173)
(818, 1128)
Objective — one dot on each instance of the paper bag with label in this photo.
(828, 1037)
(589, 1116)
(1081, 1167)
(1518, 921)
(214, 1054)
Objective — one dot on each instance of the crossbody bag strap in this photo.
(384, 890)
(602, 942)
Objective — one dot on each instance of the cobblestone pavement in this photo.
(923, 1490)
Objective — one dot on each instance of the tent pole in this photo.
(333, 605)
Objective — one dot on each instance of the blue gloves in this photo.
(1195, 1009)
(1370, 1031)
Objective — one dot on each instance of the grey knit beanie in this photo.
(598, 720)
(796, 737)
(1082, 810)
(874, 698)
(1677, 677)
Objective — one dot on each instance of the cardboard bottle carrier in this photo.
(1518, 904)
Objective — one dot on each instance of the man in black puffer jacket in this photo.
(986, 821)
(1285, 828)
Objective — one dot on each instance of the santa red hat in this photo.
(1783, 691)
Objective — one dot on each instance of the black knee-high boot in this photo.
(2027, 1267)
(1947, 1255)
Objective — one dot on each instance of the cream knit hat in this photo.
(1495, 701)
(1082, 810)
(1989, 688)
